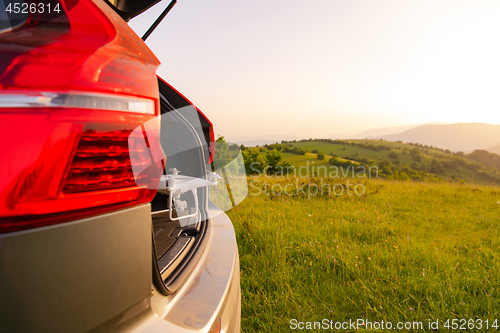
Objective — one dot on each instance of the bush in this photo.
(254, 161)
(335, 161)
(397, 175)
(393, 155)
(416, 154)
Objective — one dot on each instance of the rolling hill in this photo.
(393, 160)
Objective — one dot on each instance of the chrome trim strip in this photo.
(77, 100)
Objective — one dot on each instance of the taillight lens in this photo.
(79, 118)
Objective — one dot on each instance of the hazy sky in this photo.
(325, 68)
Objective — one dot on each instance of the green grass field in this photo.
(402, 251)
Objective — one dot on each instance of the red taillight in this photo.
(78, 118)
(102, 161)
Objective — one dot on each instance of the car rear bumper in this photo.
(212, 292)
(96, 274)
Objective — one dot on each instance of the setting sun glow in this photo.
(333, 68)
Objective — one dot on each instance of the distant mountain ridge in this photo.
(494, 150)
(377, 132)
(456, 137)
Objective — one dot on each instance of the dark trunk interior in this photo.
(175, 241)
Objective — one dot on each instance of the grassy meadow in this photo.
(400, 251)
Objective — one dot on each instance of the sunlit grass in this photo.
(402, 251)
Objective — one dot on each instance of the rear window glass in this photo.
(12, 14)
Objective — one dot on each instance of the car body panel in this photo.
(77, 275)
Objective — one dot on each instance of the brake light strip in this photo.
(77, 100)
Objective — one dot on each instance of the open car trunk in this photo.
(130, 8)
(180, 222)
